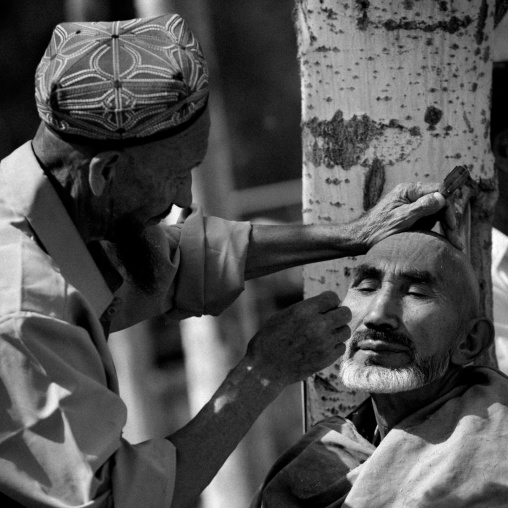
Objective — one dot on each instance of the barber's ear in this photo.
(479, 338)
(101, 170)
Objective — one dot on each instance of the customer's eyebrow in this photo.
(364, 271)
(420, 276)
(416, 276)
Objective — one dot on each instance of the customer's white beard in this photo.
(378, 379)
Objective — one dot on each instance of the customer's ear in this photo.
(479, 338)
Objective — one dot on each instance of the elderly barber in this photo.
(124, 121)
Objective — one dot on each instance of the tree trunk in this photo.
(392, 91)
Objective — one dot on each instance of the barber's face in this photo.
(153, 178)
(158, 187)
(406, 312)
(158, 176)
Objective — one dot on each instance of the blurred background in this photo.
(168, 370)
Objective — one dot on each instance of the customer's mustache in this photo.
(385, 336)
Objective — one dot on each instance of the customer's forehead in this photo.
(410, 254)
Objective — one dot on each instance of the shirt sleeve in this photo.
(204, 264)
(60, 424)
(212, 263)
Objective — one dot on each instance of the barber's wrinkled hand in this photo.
(300, 340)
(400, 209)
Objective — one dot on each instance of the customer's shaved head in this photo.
(424, 249)
(416, 313)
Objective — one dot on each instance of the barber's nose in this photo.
(383, 312)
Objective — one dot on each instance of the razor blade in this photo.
(455, 179)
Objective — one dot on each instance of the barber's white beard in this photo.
(378, 379)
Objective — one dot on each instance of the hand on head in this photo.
(404, 208)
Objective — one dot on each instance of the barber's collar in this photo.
(31, 194)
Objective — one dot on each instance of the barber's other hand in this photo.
(300, 340)
(401, 208)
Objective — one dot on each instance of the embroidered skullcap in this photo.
(122, 80)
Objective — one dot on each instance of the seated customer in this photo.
(434, 432)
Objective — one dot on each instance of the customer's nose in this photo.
(384, 311)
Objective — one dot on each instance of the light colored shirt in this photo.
(448, 454)
(61, 418)
(499, 272)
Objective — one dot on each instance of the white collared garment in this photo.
(499, 272)
(61, 418)
(450, 453)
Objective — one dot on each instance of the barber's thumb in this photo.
(327, 300)
(431, 203)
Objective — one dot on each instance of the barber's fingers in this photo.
(324, 302)
(431, 204)
(338, 318)
(424, 205)
(427, 204)
(450, 225)
(339, 347)
(429, 200)
(415, 191)
(448, 217)
(453, 236)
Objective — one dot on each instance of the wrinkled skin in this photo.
(419, 286)
(402, 207)
(300, 340)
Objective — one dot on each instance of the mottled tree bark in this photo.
(392, 91)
